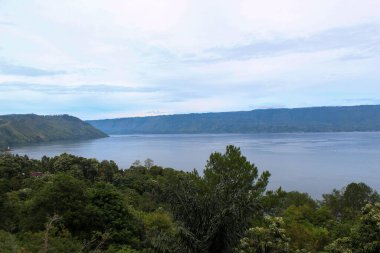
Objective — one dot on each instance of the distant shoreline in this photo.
(363, 118)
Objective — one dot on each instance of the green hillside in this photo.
(313, 119)
(31, 128)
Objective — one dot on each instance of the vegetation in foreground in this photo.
(73, 204)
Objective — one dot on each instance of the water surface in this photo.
(311, 162)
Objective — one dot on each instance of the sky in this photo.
(99, 59)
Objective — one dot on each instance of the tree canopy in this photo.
(74, 204)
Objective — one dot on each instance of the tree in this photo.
(148, 163)
(48, 227)
(276, 202)
(347, 203)
(108, 171)
(214, 210)
(9, 243)
(136, 163)
(63, 195)
(364, 237)
(271, 238)
(303, 225)
(109, 214)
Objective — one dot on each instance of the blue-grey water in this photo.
(309, 162)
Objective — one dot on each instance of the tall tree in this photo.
(215, 210)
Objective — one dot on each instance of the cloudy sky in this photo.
(113, 58)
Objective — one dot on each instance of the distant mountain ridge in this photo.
(32, 128)
(312, 119)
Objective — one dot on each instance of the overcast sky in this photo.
(113, 58)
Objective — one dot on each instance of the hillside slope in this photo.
(31, 128)
(313, 119)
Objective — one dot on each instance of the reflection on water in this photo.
(310, 162)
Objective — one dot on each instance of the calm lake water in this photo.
(310, 162)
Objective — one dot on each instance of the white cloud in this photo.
(173, 45)
(291, 18)
(190, 26)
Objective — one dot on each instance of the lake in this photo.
(309, 162)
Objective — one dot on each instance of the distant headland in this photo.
(362, 118)
(30, 128)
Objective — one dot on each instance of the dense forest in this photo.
(73, 204)
(313, 119)
(31, 128)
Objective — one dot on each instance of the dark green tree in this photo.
(276, 202)
(214, 210)
(364, 237)
(63, 195)
(347, 203)
(109, 213)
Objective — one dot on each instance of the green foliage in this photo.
(160, 231)
(59, 242)
(347, 203)
(13, 171)
(364, 237)
(107, 212)
(270, 238)
(147, 209)
(276, 202)
(63, 195)
(305, 225)
(9, 243)
(215, 209)
(123, 249)
(158, 220)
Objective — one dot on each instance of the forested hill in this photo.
(313, 119)
(31, 128)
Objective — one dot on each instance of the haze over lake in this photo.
(313, 162)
